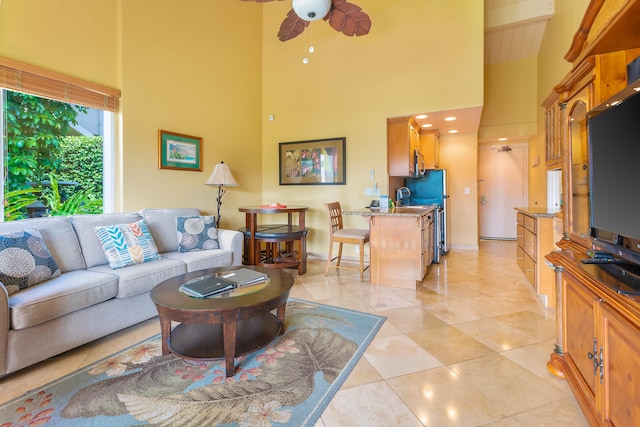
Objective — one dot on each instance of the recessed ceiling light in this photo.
(449, 119)
(427, 125)
(421, 116)
(502, 139)
(453, 131)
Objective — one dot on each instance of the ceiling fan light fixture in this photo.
(311, 10)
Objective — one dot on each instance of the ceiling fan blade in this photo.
(348, 18)
(261, 1)
(291, 27)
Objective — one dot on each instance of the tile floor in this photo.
(467, 348)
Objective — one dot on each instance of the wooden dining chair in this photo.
(340, 235)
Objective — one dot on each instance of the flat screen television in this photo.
(614, 159)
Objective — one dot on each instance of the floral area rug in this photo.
(287, 383)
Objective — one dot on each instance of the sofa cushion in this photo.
(59, 236)
(200, 260)
(25, 260)
(65, 294)
(162, 224)
(84, 226)
(127, 244)
(196, 233)
(140, 278)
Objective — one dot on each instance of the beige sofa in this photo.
(89, 299)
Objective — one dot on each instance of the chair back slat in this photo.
(335, 216)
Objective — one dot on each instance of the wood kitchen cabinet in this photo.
(403, 138)
(536, 236)
(401, 246)
(430, 148)
(601, 347)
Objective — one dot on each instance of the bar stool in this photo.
(340, 235)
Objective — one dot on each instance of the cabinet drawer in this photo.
(520, 219)
(529, 244)
(530, 224)
(520, 258)
(529, 268)
(520, 235)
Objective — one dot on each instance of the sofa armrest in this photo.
(233, 241)
(4, 328)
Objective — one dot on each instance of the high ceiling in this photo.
(513, 30)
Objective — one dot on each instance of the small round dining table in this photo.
(290, 232)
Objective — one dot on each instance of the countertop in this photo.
(536, 211)
(414, 211)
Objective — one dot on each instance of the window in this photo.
(58, 135)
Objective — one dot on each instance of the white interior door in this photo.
(502, 175)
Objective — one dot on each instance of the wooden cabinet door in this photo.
(553, 137)
(427, 242)
(402, 140)
(580, 306)
(618, 403)
(430, 147)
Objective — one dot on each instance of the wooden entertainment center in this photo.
(597, 329)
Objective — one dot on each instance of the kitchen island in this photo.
(400, 242)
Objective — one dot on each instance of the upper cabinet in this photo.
(552, 139)
(430, 148)
(403, 138)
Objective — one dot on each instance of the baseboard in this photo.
(323, 257)
(465, 247)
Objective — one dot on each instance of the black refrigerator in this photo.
(431, 189)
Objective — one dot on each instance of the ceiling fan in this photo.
(343, 16)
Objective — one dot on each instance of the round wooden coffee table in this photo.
(223, 326)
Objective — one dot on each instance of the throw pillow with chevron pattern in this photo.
(127, 244)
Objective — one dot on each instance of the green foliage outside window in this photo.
(35, 128)
(16, 201)
(80, 202)
(82, 162)
(40, 154)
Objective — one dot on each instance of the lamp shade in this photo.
(221, 176)
(311, 10)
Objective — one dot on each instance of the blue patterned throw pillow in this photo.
(127, 244)
(25, 260)
(196, 233)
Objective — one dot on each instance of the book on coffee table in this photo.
(245, 276)
(205, 286)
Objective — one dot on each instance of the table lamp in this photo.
(221, 176)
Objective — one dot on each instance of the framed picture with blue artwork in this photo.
(315, 162)
(179, 151)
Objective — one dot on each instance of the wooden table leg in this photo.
(281, 314)
(165, 330)
(229, 330)
(302, 266)
(251, 220)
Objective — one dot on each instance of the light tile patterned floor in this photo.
(467, 348)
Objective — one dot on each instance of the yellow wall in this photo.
(419, 56)
(510, 107)
(63, 36)
(460, 158)
(187, 67)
